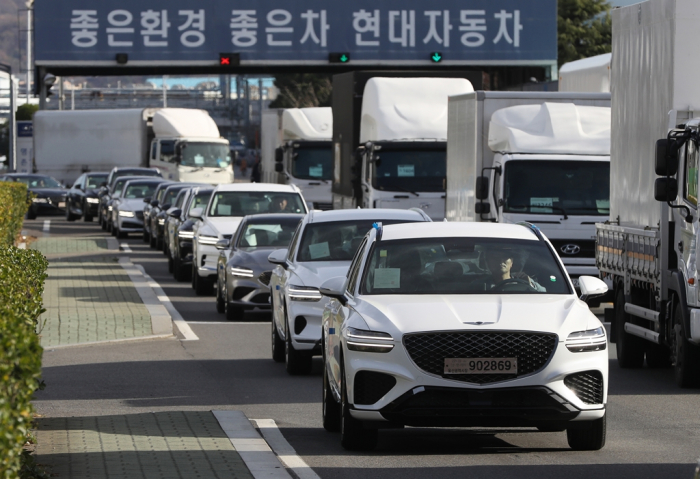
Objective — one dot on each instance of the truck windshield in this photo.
(205, 155)
(557, 187)
(409, 170)
(313, 163)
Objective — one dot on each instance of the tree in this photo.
(303, 90)
(26, 112)
(584, 29)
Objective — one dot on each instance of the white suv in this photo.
(321, 248)
(462, 325)
(227, 207)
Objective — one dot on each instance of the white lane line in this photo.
(227, 322)
(125, 247)
(47, 226)
(253, 449)
(285, 452)
(177, 318)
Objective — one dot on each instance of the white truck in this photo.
(539, 157)
(296, 150)
(184, 144)
(586, 75)
(648, 250)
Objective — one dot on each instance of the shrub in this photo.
(13, 207)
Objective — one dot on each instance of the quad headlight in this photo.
(304, 293)
(583, 341)
(208, 240)
(126, 214)
(40, 200)
(244, 272)
(368, 341)
(161, 221)
(186, 234)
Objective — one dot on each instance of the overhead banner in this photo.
(304, 32)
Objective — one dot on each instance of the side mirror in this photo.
(223, 244)
(591, 287)
(482, 208)
(279, 155)
(666, 161)
(154, 203)
(665, 189)
(176, 213)
(147, 199)
(196, 213)
(279, 257)
(334, 288)
(481, 190)
(166, 206)
(279, 167)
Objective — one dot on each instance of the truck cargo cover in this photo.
(183, 122)
(308, 123)
(552, 128)
(408, 108)
(586, 75)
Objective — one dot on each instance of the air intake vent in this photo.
(588, 386)
(371, 386)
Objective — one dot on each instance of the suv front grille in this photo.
(429, 350)
(371, 386)
(588, 386)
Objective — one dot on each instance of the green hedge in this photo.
(13, 207)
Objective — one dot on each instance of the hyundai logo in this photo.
(570, 249)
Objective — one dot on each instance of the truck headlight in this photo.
(208, 240)
(92, 201)
(368, 341)
(583, 341)
(245, 272)
(126, 214)
(304, 293)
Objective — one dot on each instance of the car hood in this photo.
(254, 259)
(135, 204)
(315, 273)
(397, 315)
(223, 225)
(46, 192)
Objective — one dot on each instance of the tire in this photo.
(589, 438)
(220, 299)
(353, 435)
(686, 356)
(277, 342)
(180, 272)
(630, 349)
(152, 240)
(233, 313)
(202, 286)
(330, 407)
(146, 238)
(170, 264)
(31, 213)
(297, 362)
(86, 216)
(69, 216)
(166, 250)
(103, 223)
(120, 234)
(159, 243)
(658, 356)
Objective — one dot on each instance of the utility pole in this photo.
(30, 5)
(12, 133)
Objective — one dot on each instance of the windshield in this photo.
(557, 187)
(140, 190)
(206, 155)
(463, 266)
(313, 163)
(244, 203)
(409, 170)
(170, 195)
(335, 240)
(96, 180)
(118, 186)
(38, 181)
(200, 200)
(276, 234)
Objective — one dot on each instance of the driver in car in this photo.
(500, 263)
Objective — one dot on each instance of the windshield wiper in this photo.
(403, 189)
(555, 208)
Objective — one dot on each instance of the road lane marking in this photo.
(125, 248)
(285, 452)
(47, 226)
(178, 320)
(253, 449)
(228, 322)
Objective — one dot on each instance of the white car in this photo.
(219, 220)
(127, 207)
(321, 248)
(462, 325)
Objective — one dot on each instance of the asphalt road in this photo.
(653, 426)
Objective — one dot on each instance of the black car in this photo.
(243, 269)
(151, 203)
(49, 193)
(83, 198)
(159, 213)
(108, 185)
(182, 232)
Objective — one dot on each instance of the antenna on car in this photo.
(378, 226)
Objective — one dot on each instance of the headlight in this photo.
(161, 221)
(368, 341)
(126, 214)
(186, 234)
(109, 208)
(92, 200)
(245, 272)
(40, 200)
(304, 293)
(591, 340)
(208, 240)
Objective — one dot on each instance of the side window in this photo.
(154, 150)
(691, 173)
(294, 242)
(355, 268)
(167, 150)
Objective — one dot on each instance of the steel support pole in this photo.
(29, 49)
(12, 130)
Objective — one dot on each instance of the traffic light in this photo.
(340, 57)
(436, 57)
(227, 60)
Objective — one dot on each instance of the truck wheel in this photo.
(353, 435)
(658, 356)
(277, 342)
(630, 349)
(686, 356)
(591, 437)
(297, 362)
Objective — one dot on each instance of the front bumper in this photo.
(308, 314)
(129, 225)
(248, 293)
(207, 258)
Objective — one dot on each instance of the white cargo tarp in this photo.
(313, 124)
(551, 128)
(184, 122)
(586, 75)
(408, 108)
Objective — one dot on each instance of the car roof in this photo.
(263, 187)
(457, 229)
(135, 177)
(377, 214)
(140, 181)
(95, 173)
(133, 168)
(265, 217)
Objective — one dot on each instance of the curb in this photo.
(109, 341)
(161, 321)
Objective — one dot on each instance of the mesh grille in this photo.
(371, 386)
(264, 277)
(429, 350)
(588, 386)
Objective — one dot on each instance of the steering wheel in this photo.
(502, 284)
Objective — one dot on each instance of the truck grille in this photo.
(574, 248)
(323, 206)
(429, 350)
(588, 386)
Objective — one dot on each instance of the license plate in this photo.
(61, 204)
(481, 366)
